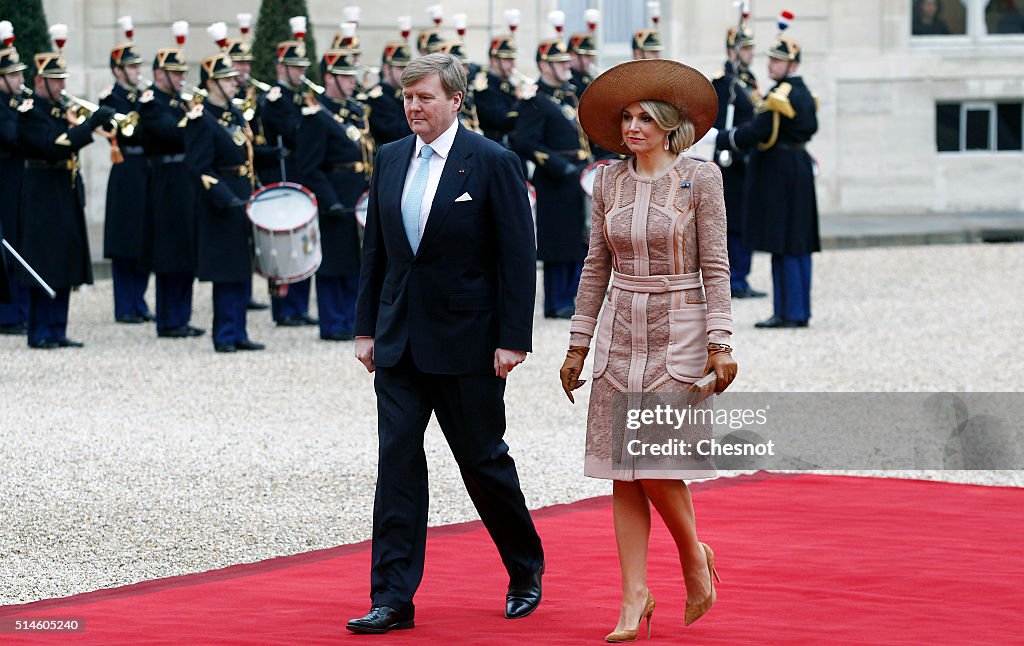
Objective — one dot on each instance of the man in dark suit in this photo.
(444, 312)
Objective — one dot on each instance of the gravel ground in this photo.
(136, 457)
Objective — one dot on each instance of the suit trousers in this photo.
(48, 317)
(294, 303)
(739, 262)
(173, 301)
(471, 413)
(336, 303)
(130, 282)
(15, 312)
(229, 307)
(791, 286)
(561, 280)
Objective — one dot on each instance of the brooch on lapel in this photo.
(684, 184)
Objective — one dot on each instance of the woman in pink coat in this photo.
(659, 237)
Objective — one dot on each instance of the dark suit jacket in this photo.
(470, 288)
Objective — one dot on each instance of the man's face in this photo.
(14, 81)
(747, 54)
(132, 73)
(393, 75)
(642, 55)
(50, 88)
(502, 67)
(779, 69)
(245, 67)
(561, 71)
(341, 86)
(581, 62)
(428, 109)
(169, 82)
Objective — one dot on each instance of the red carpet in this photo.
(806, 560)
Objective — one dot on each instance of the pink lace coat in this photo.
(655, 239)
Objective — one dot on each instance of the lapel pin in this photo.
(461, 171)
(684, 184)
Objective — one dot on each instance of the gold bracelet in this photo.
(720, 346)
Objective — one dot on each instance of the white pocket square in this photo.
(465, 197)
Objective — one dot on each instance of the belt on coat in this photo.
(233, 171)
(158, 160)
(133, 150)
(577, 154)
(656, 284)
(42, 164)
(791, 146)
(346, 167)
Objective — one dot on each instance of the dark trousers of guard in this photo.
(130, 281)
(561, 280)
(293, 304)
(173, 301)
(229, 307)
(791, 284)
(336, 303)
(15, 314)
(739, 263)
(48, 317)
(471, 413)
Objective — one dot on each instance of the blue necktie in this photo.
(414, 199)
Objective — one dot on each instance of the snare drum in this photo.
(285, 232)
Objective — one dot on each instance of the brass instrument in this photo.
(25, 91)
(144, 83)
(371, 72)
(125, 123)
(319, 89)
(193, 95)
(518, 79)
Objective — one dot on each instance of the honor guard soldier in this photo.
(781, 209)
(468, 115)
(583, 52)
(14, 308)
(737, 98)
(548, 135)
(126, 188)
(171, 227)
(647, 41)
(335, 162)
(52, 235)
(429, 40)
(387, 108)
(495, 91)
(281, 114)
(218, 153)
(347, 39)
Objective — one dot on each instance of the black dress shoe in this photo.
(338, 336)
(249, 345)
(14, 329)
(380, 620)
(133, 320)
(779, 322)
(225, 347)
(253, 305)
(69, 343)
(565, 313)
(308, 320)
(291, 321)
(523, 596)
(44, 345)
(148, 316)
(195, 331)
(749, 292)
(183, 332)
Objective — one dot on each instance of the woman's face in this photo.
(640, 131)
(929, 8)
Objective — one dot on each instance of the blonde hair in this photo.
(680, 131)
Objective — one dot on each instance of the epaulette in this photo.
(375, 92)
(26, 105)
(195, 112)
(480, 82)
(528, 92)
(105, 92)
(310, 110)
(274, 94)
(778, 101)
(361, 96)
(147, 96)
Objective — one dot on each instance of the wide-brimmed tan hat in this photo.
(600, 110)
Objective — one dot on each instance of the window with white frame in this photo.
(973, 18)
(979, 126)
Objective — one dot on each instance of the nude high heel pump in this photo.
(630, 635)
(695, 611)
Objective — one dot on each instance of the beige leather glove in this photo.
(572, 367)
(720, 362)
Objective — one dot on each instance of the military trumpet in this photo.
(259, 85)
(190, 95)
(125, 123)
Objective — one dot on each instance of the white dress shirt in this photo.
(441, 147)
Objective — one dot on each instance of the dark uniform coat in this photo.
(732, 88)
(781, 213)
(126, 187)
(387, 114)
(280, 114)
(548, 135)
(495, 101)
(51, 224)
(12, 166)
(216, 153)
(332, 165)
(171, 220)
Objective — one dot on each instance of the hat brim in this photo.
(17, 67)
(680, 85)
